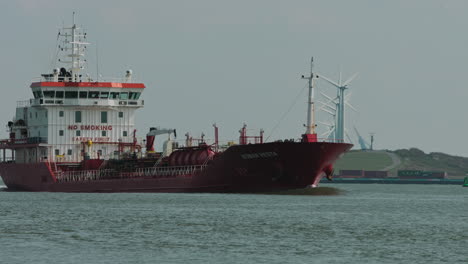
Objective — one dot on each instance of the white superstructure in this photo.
(72, 117)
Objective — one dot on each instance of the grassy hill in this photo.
(403, 159)
(363, 160)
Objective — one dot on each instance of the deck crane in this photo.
(154, 131)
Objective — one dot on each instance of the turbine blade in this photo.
(339, 80)
(351, 79)
(326, 105)
(328, 111)
(329, 81)
(348, 137)
(326, 124)
(352, 107)
(326, 96)
(328, 133)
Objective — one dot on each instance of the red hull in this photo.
(242, 168)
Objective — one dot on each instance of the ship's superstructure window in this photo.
(37, 94)
(36, 114)
(69, 152)
(57, 152)
(60, 132)
(104, 95)
(77, 116)
(71, 94)
(104, 133)
(93, 95)
(49, 94)
(30, 115)
(103, 117)
(78, 133)
(124, 96)
(60, 113)
(125, 133)
(134, 96)
(120, 114)
(59, 94)
(45, 113)
(83, 94)
(114, 95)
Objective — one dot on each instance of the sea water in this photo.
(365, 224)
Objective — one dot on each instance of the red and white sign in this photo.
(93, 139)
(89, 127)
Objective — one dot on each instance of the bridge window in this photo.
(37, 94)
(78, 133)
(71, 94)
(69, 152)
(59, 94)
(123, 96)
(103, 117)
(104, 133)
(60, 132)
(134, 96)
(114, 95)
(125, 133)
(60, 113)
(83, 94)
(49, 94)
(57, 152)
(104, 95)
(77, 116)
(93, 95)
(120, 114)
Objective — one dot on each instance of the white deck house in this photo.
(71, 117)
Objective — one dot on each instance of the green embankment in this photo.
(363, 160)
(403, 159)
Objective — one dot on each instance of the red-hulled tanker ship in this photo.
(77, 135)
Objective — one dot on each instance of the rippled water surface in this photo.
(366, 224)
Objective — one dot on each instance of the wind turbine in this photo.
(362, 142)
(339, 103)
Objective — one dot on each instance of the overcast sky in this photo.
(240, 61)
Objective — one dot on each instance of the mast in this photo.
(310, 135)
(73, 49)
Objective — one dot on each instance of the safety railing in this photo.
(82, 102)
(329, 140)
(85, 175)
(101, 79)
(108, 174)
(170, 171)
(30, 140)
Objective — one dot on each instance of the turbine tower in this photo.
(340, 104)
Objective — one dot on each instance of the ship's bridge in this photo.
(86, 94)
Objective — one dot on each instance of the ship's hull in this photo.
(243, 168)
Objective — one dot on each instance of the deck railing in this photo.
(108, 174)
